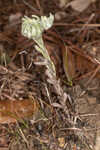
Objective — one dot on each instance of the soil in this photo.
(70, 121)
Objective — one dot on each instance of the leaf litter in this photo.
(73, 45)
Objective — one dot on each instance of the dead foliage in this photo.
(73, 45)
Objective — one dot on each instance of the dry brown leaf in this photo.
(75, 65)
(62, 3)
(11, 111)
(80, 5)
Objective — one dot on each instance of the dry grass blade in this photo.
(23, 136)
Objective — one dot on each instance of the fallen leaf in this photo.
(11, 111)
(80, 5)
(62, 3)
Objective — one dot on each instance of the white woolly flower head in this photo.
(47, 22)
(31, 27)
(34, 27)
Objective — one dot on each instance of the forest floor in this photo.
(33, 116)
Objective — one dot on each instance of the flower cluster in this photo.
(34, 27)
